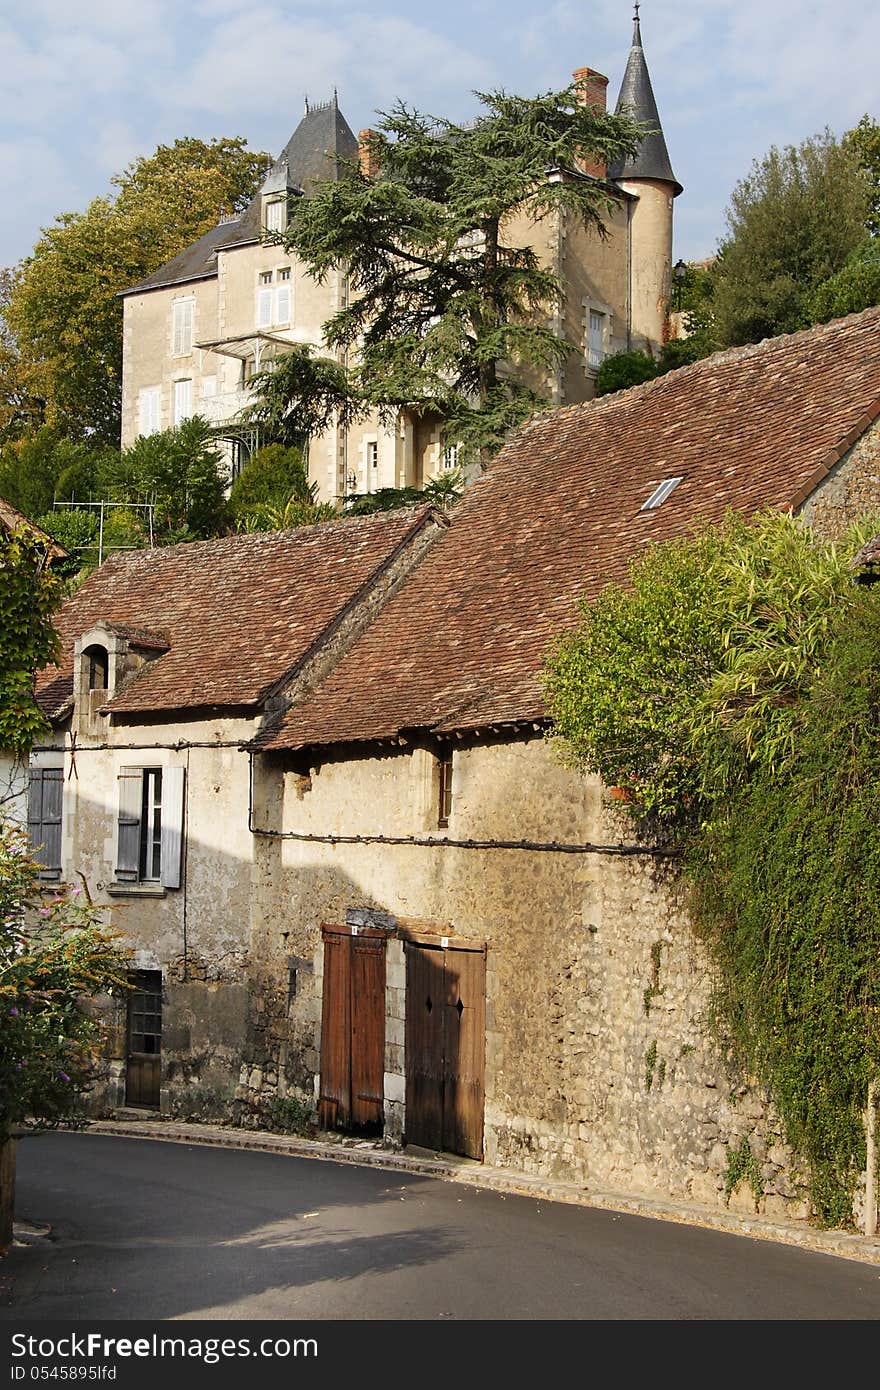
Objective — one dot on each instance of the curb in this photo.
(473, 1174)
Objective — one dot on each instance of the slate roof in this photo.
(237, 614)
(557, 516)
(651, 159)
(322, 131)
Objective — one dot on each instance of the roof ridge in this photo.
(254, 539)
(724, 355)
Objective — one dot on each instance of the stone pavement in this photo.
(339, 1149)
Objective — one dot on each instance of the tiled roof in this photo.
(238, 614)
(11, 519)
(558, 515)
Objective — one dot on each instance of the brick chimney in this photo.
(369, 164)
(592, 88)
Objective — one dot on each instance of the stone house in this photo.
(198, 328)
(394, 901)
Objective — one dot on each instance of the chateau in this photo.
(198, 329)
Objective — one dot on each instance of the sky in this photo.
(89, 86)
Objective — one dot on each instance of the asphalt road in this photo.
(146, 1230)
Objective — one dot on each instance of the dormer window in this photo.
(98, 667)
(276, 215)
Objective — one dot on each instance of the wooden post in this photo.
(7, 1191)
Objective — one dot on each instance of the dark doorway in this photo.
(353, 1031)
(143, 1073)
(445, 1047)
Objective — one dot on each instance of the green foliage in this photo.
(270, 477)
(786, 893)
(621, 370)
(273, 492)
(440, 298)
(443, 491)
(650, 1064)
(299, 396)
(64, 312)
(681, 684)
(180, 471)
(77, 531)
(29, 595)
(290, 1115)
(52, 959)
(40, 466)
(864, 142)
(743, 1165)
(793, 221)
(736, 683)
(855, 287)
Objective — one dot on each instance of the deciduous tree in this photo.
(64, 310)
(792, 224)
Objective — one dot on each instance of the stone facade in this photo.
(598, 1063)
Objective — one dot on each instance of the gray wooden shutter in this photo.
(45, 790)
(128, 843)
(53, 791)
(172, 825)
(35, 808)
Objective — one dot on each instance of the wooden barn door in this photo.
(353, 1030)
(143, 1071)
(445, 1048)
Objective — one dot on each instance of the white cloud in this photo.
(264, 53)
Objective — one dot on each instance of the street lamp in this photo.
(679, 274)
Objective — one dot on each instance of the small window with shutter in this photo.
(264, 308)
(182, 401)
(45, 795)
(182, 327)
(282, 304)
(276, 215)
(149, 844)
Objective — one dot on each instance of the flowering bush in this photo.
(54, 955)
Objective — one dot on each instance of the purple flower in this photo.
(75, 892)
(14, 1011)
(45, 911)
(64, 1076)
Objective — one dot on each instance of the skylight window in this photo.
(660, 494)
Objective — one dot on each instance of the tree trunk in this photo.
(7, 1191)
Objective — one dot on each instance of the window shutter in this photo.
(128, 842)
(182, 401)
(45, 788)
(183, 326)
(53, 791)
(264, 308)
(172, 825)
(282, 302)
(35, 806)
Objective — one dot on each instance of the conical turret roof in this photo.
(651, 160)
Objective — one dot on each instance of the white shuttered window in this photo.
(182, 401)
(149, 421)
(264, 308)
(282, 304)
(182, 327)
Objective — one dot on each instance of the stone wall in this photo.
(599, 1063)
(850, 491)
